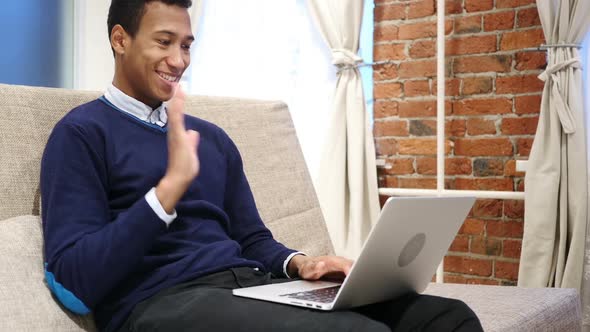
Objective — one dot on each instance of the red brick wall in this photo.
(492, 105)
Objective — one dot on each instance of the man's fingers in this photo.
(320, 266)
(346, 270)
(342, 265)
(193, 138)
(326, 266)
(314, 270)
(175, 110)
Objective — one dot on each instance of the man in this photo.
(149, 221)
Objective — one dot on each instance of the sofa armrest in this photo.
(26, 302)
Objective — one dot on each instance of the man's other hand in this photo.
(183, 162)
(314, 268)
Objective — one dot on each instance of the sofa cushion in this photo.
(507, 308)
(274, 165)
(28, 116)
(26, 302)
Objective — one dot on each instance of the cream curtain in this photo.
(347, 183)
(586, 278)
(556, 191)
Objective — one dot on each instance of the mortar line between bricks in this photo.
(482, 257)
(450, 19)
(454, 15)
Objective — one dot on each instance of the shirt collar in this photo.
(136, 108)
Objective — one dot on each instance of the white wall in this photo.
(67, 44)
(93, 60)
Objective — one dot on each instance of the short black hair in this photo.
(128, 13)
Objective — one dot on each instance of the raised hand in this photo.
(183, 161)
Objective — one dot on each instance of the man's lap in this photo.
(208, 304)
(216, 309)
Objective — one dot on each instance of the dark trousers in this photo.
(207, 304)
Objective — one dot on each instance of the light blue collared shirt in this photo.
(157, 116)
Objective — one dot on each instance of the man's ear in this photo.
(119, 39)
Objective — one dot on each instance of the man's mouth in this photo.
(168, 77)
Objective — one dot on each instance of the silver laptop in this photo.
(401, 255)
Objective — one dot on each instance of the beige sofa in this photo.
(275, 167)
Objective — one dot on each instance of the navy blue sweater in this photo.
(105, 247)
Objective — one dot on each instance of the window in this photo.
(269, 49)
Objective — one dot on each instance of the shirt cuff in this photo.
(155, 204)
(288, 259)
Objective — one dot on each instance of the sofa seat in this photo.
(508, 308)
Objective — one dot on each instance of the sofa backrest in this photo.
(262, 130)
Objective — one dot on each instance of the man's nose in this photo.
(176, 59)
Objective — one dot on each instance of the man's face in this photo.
(155, 59)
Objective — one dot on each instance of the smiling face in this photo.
(149, 65)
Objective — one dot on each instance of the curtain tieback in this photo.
(345, 59)
(559, 101)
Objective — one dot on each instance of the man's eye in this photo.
(163, 42)
(186, 47)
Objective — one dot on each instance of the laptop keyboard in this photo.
(322, 295)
